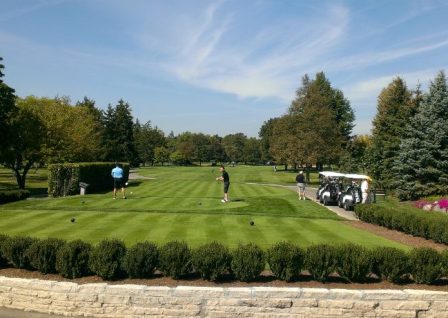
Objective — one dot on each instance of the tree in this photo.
(216, 149)
(252, 151)
(394, 110)
(265, 134)
(234, 146)
(161, 155)
(421, 166)
(7, 110)
(119, 133)
(147, 139)
(355, 158)
(25, 150)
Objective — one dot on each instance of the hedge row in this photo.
(64, 179)
(110, 259)
(415, 222)
(13, 195)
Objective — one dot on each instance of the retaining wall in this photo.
(104, 300)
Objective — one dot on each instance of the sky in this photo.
(219, 67)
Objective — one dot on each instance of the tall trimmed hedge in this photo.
(64, 178)
(415, 222)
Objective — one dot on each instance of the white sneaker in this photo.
(223, 201)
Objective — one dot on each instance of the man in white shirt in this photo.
(365, 190)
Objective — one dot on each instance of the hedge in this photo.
(414, 222)
(13, 195)
(111, 259)
(64, 179)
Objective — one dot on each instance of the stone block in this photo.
(304, 303)
(439, 305)
(380, 294)
(350, 294)
(330, 303)
(319, 293)
(415, 294)
(270, 292)
(404, 305)
(238, 292)
(157, 291)
(396, 313)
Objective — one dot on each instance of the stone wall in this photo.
(103, 300)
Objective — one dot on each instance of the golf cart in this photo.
(352, 194)
(330, 188)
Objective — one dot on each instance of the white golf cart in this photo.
(330, 188)
(352, 193)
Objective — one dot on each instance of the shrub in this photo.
(390, 263)
(353, 262)
(14, 249)
(175, 259)
(211, 260)
(42, 254)
(72, 259)
(248, 261)
(106, 258)
(285, 260)
(445, 262)
(13, 195)
(63, 179)
(320, 261)
(3, 260)
(141, 260)
(426, 265)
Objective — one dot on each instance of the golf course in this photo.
(184, 203)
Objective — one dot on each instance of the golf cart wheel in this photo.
(347, 206)
(340, 204)
(325, 201)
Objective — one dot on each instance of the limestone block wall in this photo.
(104, 300)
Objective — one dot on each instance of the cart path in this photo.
(353, 221)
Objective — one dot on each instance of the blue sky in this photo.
(219, 67)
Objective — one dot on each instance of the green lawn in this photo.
(183, 203)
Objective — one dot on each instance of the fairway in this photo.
(183, 203)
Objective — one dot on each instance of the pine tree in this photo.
(422, 166)
(7, 110)
(394, 110)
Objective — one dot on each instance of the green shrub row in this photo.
(110, 259)
(13, 195)
(413, 221)
(64, 179)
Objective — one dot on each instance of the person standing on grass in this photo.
(226, 179)
(300, 179)
(117, 174)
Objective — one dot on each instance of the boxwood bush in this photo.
(141, 260)
(285, 260)
(3, 260)
(353, 262)
(211, 260)
(427, 265)
(320, 261)
(412, 221)
(106, 259)
(42, 254)
(13, 195)
(14, 249)
(390, 264)
(175, 259)
(64, 179)
(248, 261)
(72, 259)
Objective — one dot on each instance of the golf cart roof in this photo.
(357, 176)
(331, 174)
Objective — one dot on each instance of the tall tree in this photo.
(266, 132)
(119, 133)
(234, 146)
(25, 150)
(7, 110)
(147, 139)
(394, 110)
(252, 151)
(421, 168)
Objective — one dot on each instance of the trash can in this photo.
(83, 188)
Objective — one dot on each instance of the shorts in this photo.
(226, 187)
(118, 183)
(301, 186)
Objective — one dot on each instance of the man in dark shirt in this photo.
(226, 179)
(300, 179)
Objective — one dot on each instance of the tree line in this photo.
(406, 151)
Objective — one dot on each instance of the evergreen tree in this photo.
(119, 134)
(422, 166)
(394, 110)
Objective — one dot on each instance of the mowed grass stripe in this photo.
(33, 225)
(11, 220)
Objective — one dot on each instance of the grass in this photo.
(183, 203)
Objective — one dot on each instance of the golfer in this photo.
(300, 179)
(365, 190)
(226, 179)
(117, 174)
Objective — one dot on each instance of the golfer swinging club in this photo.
(226, 179)
(117, 174)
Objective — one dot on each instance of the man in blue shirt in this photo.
(117, 174)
